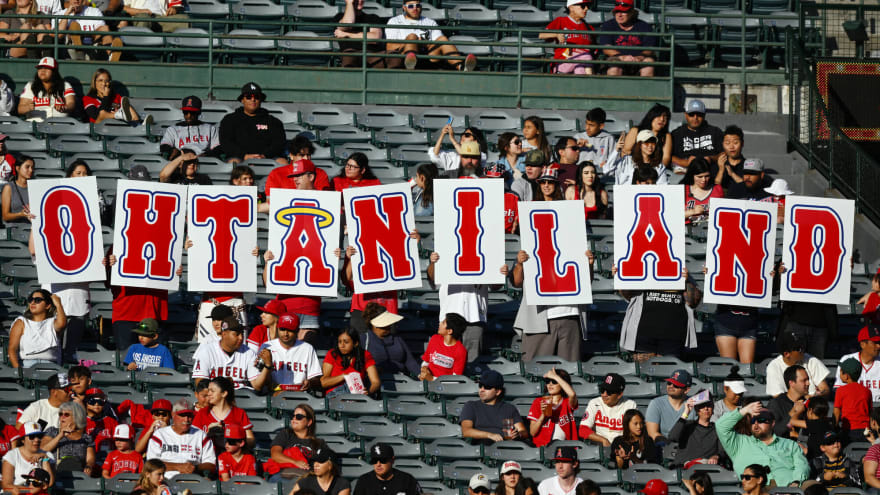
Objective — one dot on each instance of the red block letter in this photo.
(649, 236)
(550, 280)
(149, 221)
(381, 238)
(469, 260)
(817, 249)
(222, 213)
(302, 241)
(740, 253)
(67, 229)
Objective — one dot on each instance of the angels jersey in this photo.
(210, 360)
(870, 377)
(293, 366)
(193, 446)
(199, 137)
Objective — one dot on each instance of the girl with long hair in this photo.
(451, 160)
(14, 198)
(534, 137)
(510, 150)
(103, 102)
(548, 185)
(655, 120)
(699, 484)
(152, 480)
(347, 358)
(355, 173)
(634, 446)
(590, 190)
(511, 473)
(622, 166)
(34, 336)
(47, 95)
(222, 410)
(551, 417)
(698, 190)
(423, 191)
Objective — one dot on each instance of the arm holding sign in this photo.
(60, 317)
(517, 276)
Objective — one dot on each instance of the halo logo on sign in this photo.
(303, 246)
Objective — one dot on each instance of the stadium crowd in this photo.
(794, 433)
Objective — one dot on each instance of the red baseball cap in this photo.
(870, 332)
(655, 487)
(300, 167)
(289, 321)
(161, 404)
(274, 307)
(233, 432)
(95, 391)
(624, 5)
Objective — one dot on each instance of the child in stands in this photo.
(124, 459)
(148, 352)
(234, 462)
(831, 468)
(852, 402)
(445, 355)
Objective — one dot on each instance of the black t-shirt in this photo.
(198, 179)
(286, 438)
(489, 417)
(400, 483)
(741, 191)
(311, 483)
(705, 141)
(360, 17)
(663, 316)
(648, 454)
(622, 37)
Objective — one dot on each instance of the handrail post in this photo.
(519, 72)
(211, 57)
(364, 66)
(742, 63)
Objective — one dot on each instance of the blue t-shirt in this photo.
(628, 38)
(149, 357)
(660, 411)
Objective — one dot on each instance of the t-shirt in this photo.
(210, 360)
(337, 369)
(604, 420)
(551, 486)
(641, 455)
(101, 429)
(401, 483)
(46, 106)
(149, 357)
(597, 148)
(873, 454)
(199, 137)
(22, 466)
(870, 376)
(193, 447)
(872, 305)
(664, 316)
(136, 303)
(90, 19)
(340, 183)
(579, 38)
(311, 483)
(691, 202)
(775, 368)
(489, 418)
(660, 411)
(237, 416)
(854, 401)
(561, 425)
(197, 179)
(92, 105)
(621, 37)
(246, 466)
(40, 410)
(412, 26)
(444, 359)
(360, 17)
(287, 439)
(278, 177)
(700, 142)
(117, 462)
(295, 365)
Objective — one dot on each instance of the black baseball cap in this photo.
(612, 383)
(381, 451)
(221, 312)
(191, 104)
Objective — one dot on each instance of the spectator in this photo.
(79, 168)
(867, 356)
(783, 405)
(26, 7)
(870, 466)
(292, 362)
(696, 139)
(268, 330)
(450, 161)
(697, 440)
(159, 416)
(634, 446)
(664, 412)
(575, 57)
(8, 434)
(700, 483)
(411, 26)
(786, 461)
(698, 191)
(323, 477)
(445, 354)
(234, 462)
(731, 159)
(752, 186)
(644, 176)
(812, 418)
(242, 175)
(852, 401)
(7, 160)
(511, 473)
(603, 418)
(69, 441)
(14, 198)
(734, 387)
(566, 479)
(871, 432)
(870, 301)
(390, 351)
(103, 102)
(182, 447)
(589, 189)
(48, 94)
(95, 31)
(148, 352)
(551, 417)
(791, 349)
(200, 137)
(423, 190)
(184, 170)
(219, 312)
(645, 155)
(535, 138)
(132, 304)
(100, 422)
(655, 120)
(294, 446)
(299, 148)
(228, 357)
(356, 172)
(386, 300)
(385, 478)
(595, 142)
(34, 336)
(45, 411)
(124, 459)
(348, 368)
(354, 14)
(527, 184)
(221, 411)
(567, 151)
(627, 26)
(251, 131)
(21, 461)
(80, 378)
(527, 486)
(755, 479)
(478, 485)
(511, 153)
(153, 14)
(490, 419)
(779, 190)
(831, 468)
(152, 480)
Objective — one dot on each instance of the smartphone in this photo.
(449, 122)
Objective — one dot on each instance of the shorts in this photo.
(308, 321)
(723, 331)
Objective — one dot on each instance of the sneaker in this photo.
(125, 106)
(115, 55)
(148, 121)
(410, 61)
(470, 62)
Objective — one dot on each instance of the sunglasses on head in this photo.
(96, 401)
(549, 381)
(37, 300)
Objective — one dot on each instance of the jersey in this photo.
(92, 105)
(295, 365)
(199, 137)
(246, 466)
(870, 377)
(117, 462)
(46, 106)
(193, 447)
(102, 431)
(604, 420)
(210, 360)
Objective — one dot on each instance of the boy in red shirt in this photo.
(234, 462)
(852, 402)
(124, 459)
(445, 355)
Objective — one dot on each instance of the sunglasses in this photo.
(37, 300)
(670, 384)
(191, 112)
(382, 460)
(468, 134)
(35, 436)
(516, 142)
(747, 477)
(486, 387)
(161, 413)
(763, 421)
(353, 167)
(542, 182)
(234, 442)
(251, 97)
(480, 490)
(691, 114)
(574, 148)
(549, 381)
(96, 401)
(413, 6)
(64, 415)
(300, 417)
(34, 483)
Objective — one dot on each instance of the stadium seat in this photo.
(111, 128)
(845, 490)
(250, 401)
(343, 151)
(475, 15)
(190, 45)
(770, 7)
(69, 144)
(438, 14)
(305, 11)
(690, 31)
(380, 118)
(341, 134)
(401, 135)
(511, 450)
(122, 483)
(213, 112)
(25, 143)
(600, 474)
(731, 30)
(518, 386)
(452, 386)
(202, 12)
(638, 388)
(372, 427)
(346, 405)
(856, 451)
(409, 155)
(160, 378)
(15, 125)
(716, 6)
(587, 452)
(117, 394)
(434, 488)
(326, 116)
(584, 388)
(248, 46)
(58, 126)
(18, 270)
(637, 475)
(717, 473)
(402, 448)
(96, 161)
(153, 163)
(106, 374)
(246, 485)
(378, 10)
(460, 472)
(344, 447)
(716, 368)
(354, 468)
(151, 47)
(598, 366)
(192, 482)
(428, 429)
(523, 15)
(435, 119)
(13, 250)
(496, 120)
(327, 426)
(451, 449)
(400, 384)
(306, 51)
(540, 365)
(662, 367)
(410, 406)
(785, 490)
(512, 55)
(127, 146)
(77, 482)
(256, 12)
(12, 394)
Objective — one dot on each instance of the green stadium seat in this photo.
(637, 475)
(401, 135)
(439, 14)
(716, 368)
(142, 37)
(153, 163)
(160, 378)
(203, 11)
(717, 473)
(511, 450)
(343, 151)
(326, 426)
(413, 406)
(106, 373)
(326, 116)
(379, 118)
(23, 143)
(354, 468)
(434, 488)
(451, 449)
(537, 471)
(602, 475)
(214, 112)
(15, 125)
(428, 429)
(13, 250)
(247, 485)
(13, 394)
(75, 481)
(770, 7)
(96, 161)
(344, 447)
(510, 63)
(240, 43)
(262, 15)
(846, 491)
(45, 161)
(372, 427)
(478, 48)
(417, 468)
(18, 270)
(518, 386)
(584, 388)
(127, 146)
(317, 52)
(282, 113)
(122, 483)
(389, 174)
(475, 15)
(117, 394)
(409, 155)
(378, 10)
(400, 384)
(190, 45)
(111, 128)
(638, 388)
(347, 405)
(522, 15)
(495, 120)
(196, 484)
(731, 31)
(662, 367)
(540, 365)
(60, 126)
(452, 386)
(716, 6)
(690, 31)
(250, 401)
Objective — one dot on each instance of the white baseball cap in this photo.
(479, 480)
(122, 432)
(511, 466)
(779, 187)
(569, 3)
(48, 62)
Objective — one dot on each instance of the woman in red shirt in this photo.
(572, 23)
(346, 358)
(552, 417)
(698, 190)
(222, 410)
(355, 173)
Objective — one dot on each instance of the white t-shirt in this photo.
(412, 26)
(606, 421)
(210, 360)
(40, 410)
(550, 486)
(468, 300)
(870, 377)
(561, 311)
(39, 340)
(156, 7)
(193, 446)
(23, 467)
(90, 24)
(293, 366)
(775, 383)
(623, 168)
(74, 297)
(44, 105)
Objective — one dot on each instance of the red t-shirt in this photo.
(443, 359)
(117, 462)
(246, 466)
(562, 416)
(102, 431)
(690, 202)
(854, 401)
(135, 303)
(305, 305)
(92, 102)
(339, 370)
(511, 211)
(872, 305)
(6, 435)
(340, 183)
(278, 177)
(258, 336)
(566, 23)
(237, 415)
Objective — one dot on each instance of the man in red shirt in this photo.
(300, 148)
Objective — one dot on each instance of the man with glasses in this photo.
(182, 447)
(568, 152)
(784, 457)
(385, 478)
(251, 132)
(45, 411)
(411, 26)
(299, 148)
(490, 419)
(184, 170)
(625, 29)
(696, 138)
(663, 412)
(229, 357)
(192, 133)
(603, 417)
(566, 480)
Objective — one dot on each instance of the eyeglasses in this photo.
(747, 477)
(413, 6)
(37, 300)
(96, 401)
(382, 460)
(65, 415)
(251, 97)
(549, 381)
(234, 442)
(161, 413)
(300, 417)
(186, 415)
(353, 167)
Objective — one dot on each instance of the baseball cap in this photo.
(550, 173)
(491, 379)
(94, 391)
(645, 135)
(322, 454)
(252, 88)
(385, 320)
(147, 326)
(289, 321)
(764, 414)
(655, 487)
(381, 451)
(612, 383)
(48, 62)
(623, 5)
(851, 367)
(695, 106)
(232, 324)
(870, 332)
(569, 3)
(274, 306)
(182, 406)
(535, 158)
(566, 453)
(479, 480)
(30, 428)
(220, 312)
(470, 148)
(753, 166)
(139, 172)
(779, 187)
(511, 466)
(233, 431)
(494, 170)
(191, 104)
(830, 437)
(38, 474)
(57, 381)
(161, 405)
(680, 378)
(300, 167)
(123, 432)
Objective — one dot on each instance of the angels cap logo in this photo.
(609, 379)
